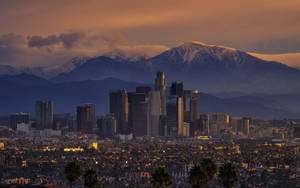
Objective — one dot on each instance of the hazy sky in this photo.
(51, 31)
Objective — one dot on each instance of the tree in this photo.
(90, 178)
(161, 178)
(210, 168)
(198, 177)
(228, 175)
(73, 172)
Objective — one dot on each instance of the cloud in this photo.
(68, 40)
(53, 50)
(241, 24)
(290, 59)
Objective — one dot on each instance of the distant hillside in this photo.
(209, 67)
(19, 93)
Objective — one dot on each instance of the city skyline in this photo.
(159, 93)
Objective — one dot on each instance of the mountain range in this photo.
(19, 93)
(206, 67)
(265, 89)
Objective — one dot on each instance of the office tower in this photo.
(240, 126)
(18, 118)
(175, 116)
(236, 123)
(191, 105)
(201, 126)
(177, 89)
(138, 109)
(154, 112)
(204, 122)
(44, 114)
(61, 121)
(143, 89)
(107, 126)
(220, 122)
(160, 85)
(246, 126)
(118, 105)
(85, 116)
(186, 129)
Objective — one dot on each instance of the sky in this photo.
(50, 32)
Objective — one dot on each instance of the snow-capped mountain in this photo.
(210, 68)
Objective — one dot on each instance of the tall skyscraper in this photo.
(154, 112)
(240, 126)
(175, 116)
(191, 105)
(177, 89)
(118, 105)
(18, 118)
(138, 109)
(220, 122)
(44, 114)
(85, 117)
(160, 85)
(204, 122)
(107, 126)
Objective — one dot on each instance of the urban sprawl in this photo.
(145, 130)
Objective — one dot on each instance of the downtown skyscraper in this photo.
(85, 117)
(118, 105)
(44, 114)
(160, 85)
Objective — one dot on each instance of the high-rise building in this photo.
(118, 105)
(143, 89)
(220, 123)
(138, 109)
(160, 85)
(107, 126)
(44, 114)
(154, 113)
(236, 123)
(240, 126)
(85, 116)
(191, 105)
(18, 118)
(201, 127)
(177, 89)
(175, 116)
(246, 126)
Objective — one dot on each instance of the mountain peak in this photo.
(202, 44)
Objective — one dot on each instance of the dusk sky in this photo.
(35, 32)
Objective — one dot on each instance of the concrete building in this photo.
(220, 123)
(44, 114)
(191, 105)
(175, 116)
(154, 113)
(138, 110)
(177, 89)
(240, 126)
(201, 127)
(160, 85)
(18, 118)
(107, 126)
(85, 116)
(118, 105)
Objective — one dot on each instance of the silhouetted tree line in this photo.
(200, 175)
